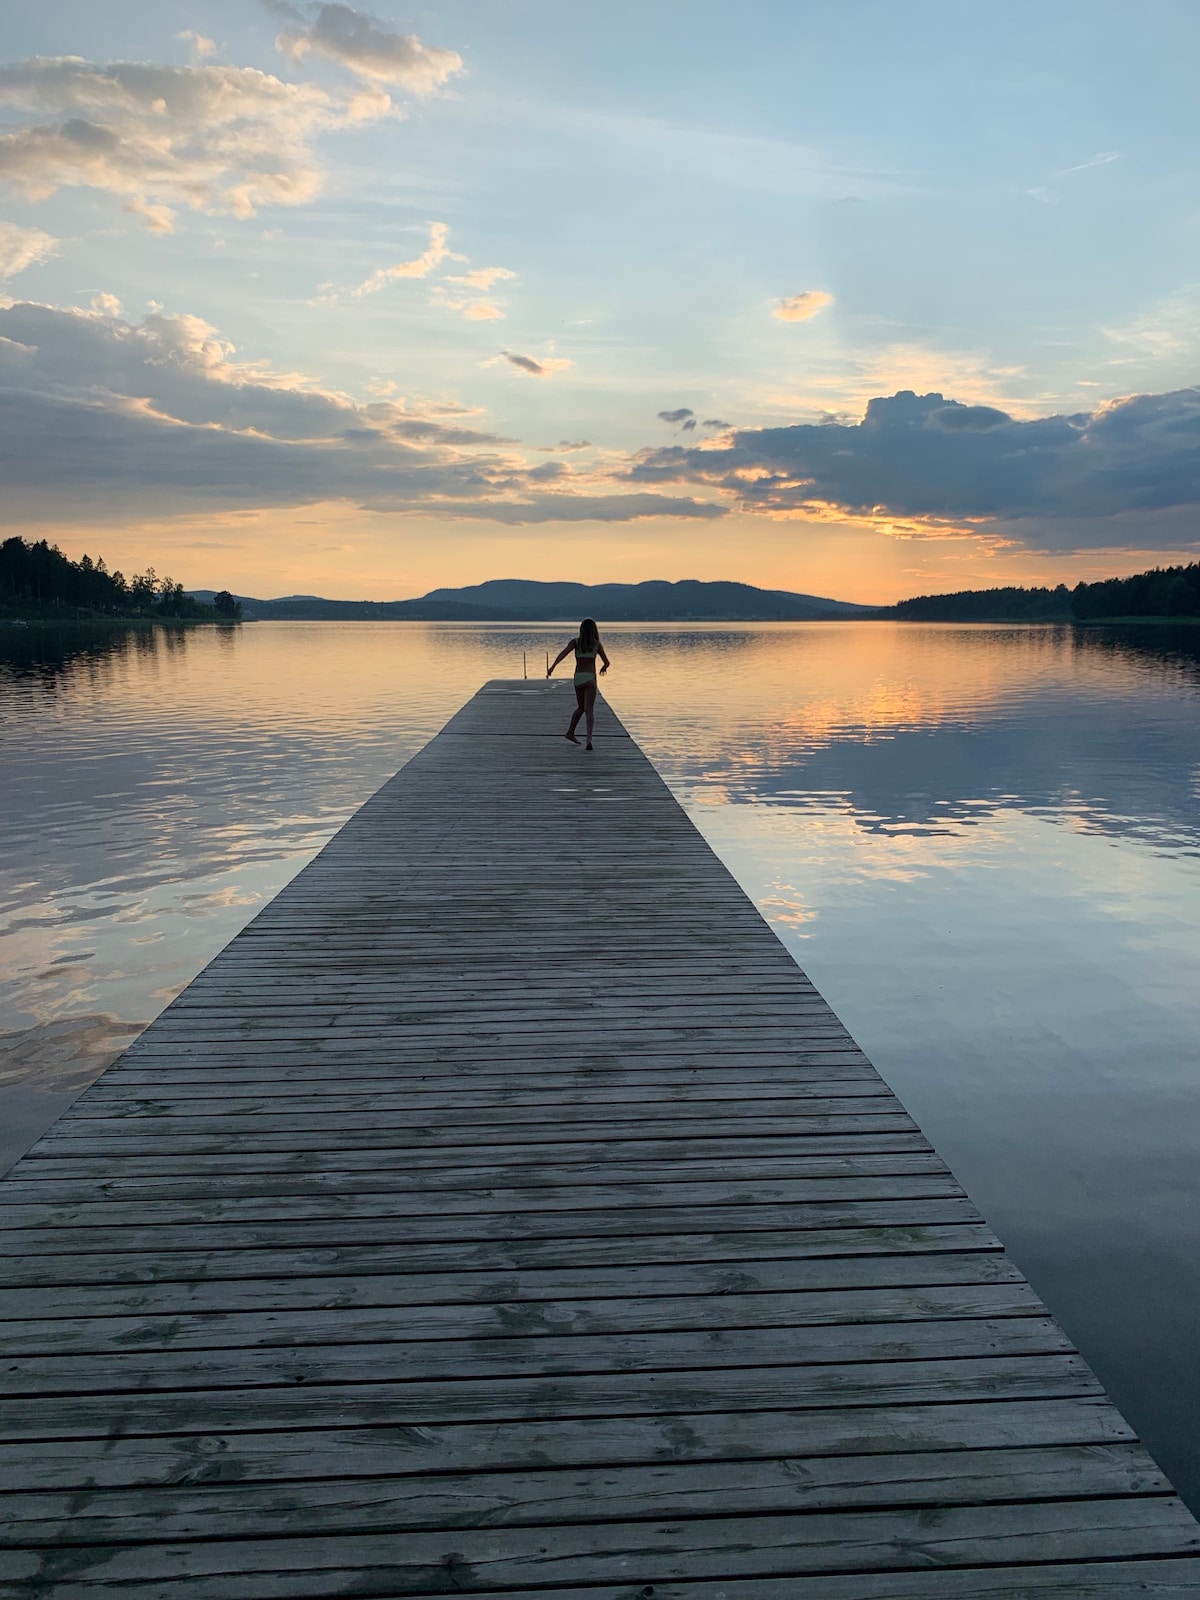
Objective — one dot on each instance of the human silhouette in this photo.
(587, 647)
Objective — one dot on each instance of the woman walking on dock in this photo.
(587, 647)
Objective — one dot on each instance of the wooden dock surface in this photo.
(503, 1212)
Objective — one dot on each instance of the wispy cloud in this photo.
(1167, 331)
(482, 277)
(471, 310)
(1102, 160)
(804, 306)
(23, 247)
(468, 298)
(1049, 197)
(436, 251)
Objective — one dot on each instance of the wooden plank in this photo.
(504, 1399)
(445, 1202)
(147, 1266)
(662, 1438)
(628, 1097)
(68, 1335)
(51, 1160)
(819, 1542)
(418, 1248)
(419, 1360)
(528, 1287)
(43, 1187)
(605, 1494)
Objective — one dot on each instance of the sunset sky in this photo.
(862, 300)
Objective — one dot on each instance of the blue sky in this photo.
(276, 349)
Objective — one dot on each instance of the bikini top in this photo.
(586, 655)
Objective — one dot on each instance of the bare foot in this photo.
(571, 737)
(587, 746)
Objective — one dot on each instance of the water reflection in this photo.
(983, 843)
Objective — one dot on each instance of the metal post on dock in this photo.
(524, 668)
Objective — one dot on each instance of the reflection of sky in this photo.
(981, 843)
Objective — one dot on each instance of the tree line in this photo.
(39, 575)
(1163, 592)
(1011, 604)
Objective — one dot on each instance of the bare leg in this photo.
(590, 693)
(577, 714)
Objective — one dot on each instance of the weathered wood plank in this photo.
(68, 1335)
(606, 1494)
(41, 1186)
(503, 1399)
(662, 1438)
(528, 1287)
(453, 1358)
(146, 1266)
(817, 1542)
(47, 1159)
(104, 1213)
(382, 1226)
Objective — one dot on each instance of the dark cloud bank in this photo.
(923, 456)
(101, 416)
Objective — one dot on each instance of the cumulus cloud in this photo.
(23, 247)
(545, 368)
(926, 458)
(103, 417)
(804, 306)
(367, 46)
(210, 138)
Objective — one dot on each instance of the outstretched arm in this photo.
(562, 654)
(604, 658)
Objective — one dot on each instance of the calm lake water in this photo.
(982, 843)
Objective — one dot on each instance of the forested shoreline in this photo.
(1165, 592)
(38, 581)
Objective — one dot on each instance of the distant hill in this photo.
(522, 600)
(312, 608)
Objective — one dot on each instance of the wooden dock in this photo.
(503, 1212)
